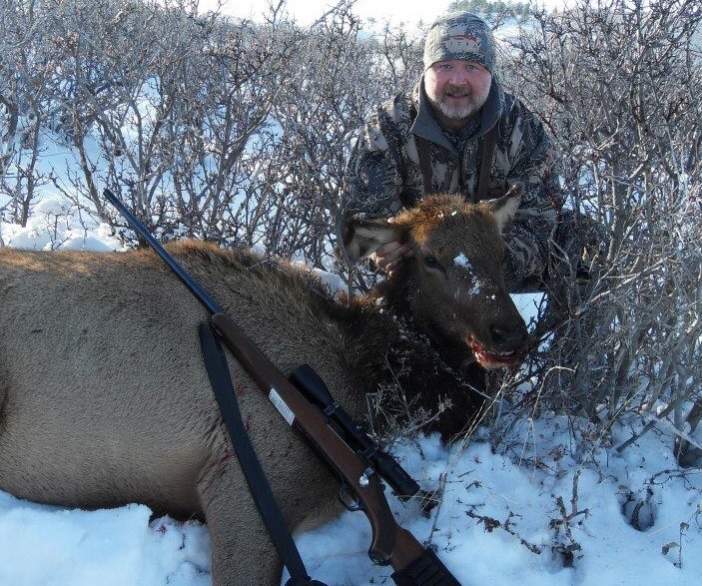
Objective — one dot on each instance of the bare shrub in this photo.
(26, 71)
(619, 87)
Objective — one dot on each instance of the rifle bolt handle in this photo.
(364, 480)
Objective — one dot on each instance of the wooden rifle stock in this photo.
(390, 543)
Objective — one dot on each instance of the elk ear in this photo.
(363, 237)
(504, 208)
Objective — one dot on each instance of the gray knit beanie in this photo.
(460, 35)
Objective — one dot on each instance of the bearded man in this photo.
(458, 132)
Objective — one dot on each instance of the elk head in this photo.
(453, 284)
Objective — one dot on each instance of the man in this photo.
(435, 141)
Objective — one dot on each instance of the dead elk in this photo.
(104, 399)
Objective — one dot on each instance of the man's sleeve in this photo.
(373, 182)
(535, 169)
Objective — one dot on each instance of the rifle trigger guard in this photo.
(347, 498)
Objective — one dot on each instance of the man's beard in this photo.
(457, 112)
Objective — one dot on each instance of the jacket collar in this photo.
(426, 126)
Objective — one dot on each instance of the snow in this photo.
(57, 547)
(525, 491)
(54, 224)
(462, 261)
(528, 305)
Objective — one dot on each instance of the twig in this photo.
(438, 495)
(651, 424)
(490, 523)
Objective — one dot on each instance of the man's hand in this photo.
(388, 257)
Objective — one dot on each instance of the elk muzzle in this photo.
(502, 342)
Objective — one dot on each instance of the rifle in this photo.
(414, 565)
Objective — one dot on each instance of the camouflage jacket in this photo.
(402, 154)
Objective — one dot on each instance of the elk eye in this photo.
(432, 262)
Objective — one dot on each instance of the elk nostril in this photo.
(506, 336)
(499, 335)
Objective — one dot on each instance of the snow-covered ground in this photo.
(49, 546)
(527, 516)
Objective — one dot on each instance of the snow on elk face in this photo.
(456, 292)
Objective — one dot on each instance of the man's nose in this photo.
(460, 76)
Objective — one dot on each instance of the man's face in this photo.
(457, 88)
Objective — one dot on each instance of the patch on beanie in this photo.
(464, 43)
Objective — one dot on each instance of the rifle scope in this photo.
(316, 391)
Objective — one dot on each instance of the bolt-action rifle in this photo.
(414, 565)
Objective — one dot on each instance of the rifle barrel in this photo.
(202, 296)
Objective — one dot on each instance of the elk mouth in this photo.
(492, 359)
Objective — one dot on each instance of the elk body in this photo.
(104, 399)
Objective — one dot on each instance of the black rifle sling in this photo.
(218, 373)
